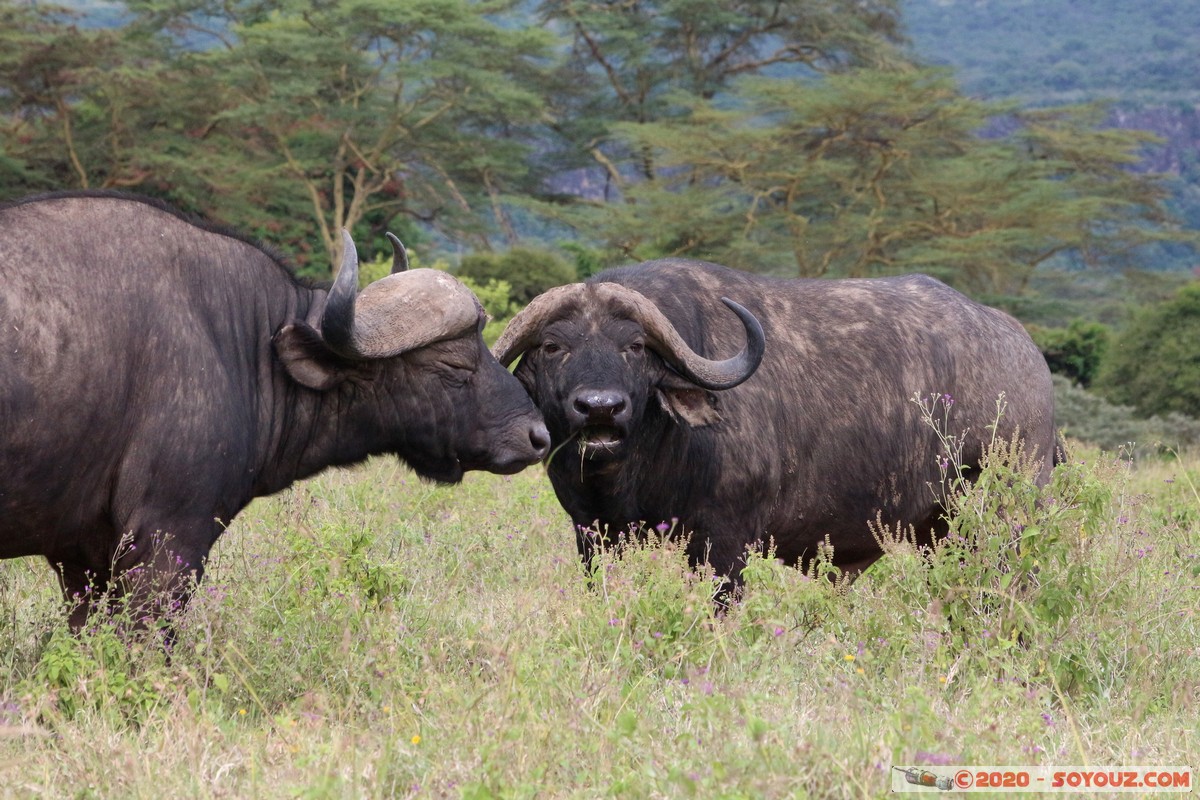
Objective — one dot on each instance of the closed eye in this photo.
(455, 375)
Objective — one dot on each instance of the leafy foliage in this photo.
(871, 172)
(99, 671)
(284, 121)
(1075, 351)
(1088, 417)
(89, 108)
(791, 138)
(1006, 581)
(527, 271)
(1154, 363)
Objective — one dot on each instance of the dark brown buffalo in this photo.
(812, 442)
(156, 375)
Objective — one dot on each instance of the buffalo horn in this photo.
(521, 333)
(395, 314)
(522, 330)
(337, 321)
(399, 254)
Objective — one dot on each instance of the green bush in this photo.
(1154, 364)
(588, 261)
(1075, 351)
(1004, 590)
(1090, 418)
(529, 272)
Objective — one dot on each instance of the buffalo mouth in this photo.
(600, 440)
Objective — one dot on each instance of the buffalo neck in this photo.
(300, 429)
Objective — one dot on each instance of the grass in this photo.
(367, 635)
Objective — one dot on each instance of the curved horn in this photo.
(666, 341)
(337, 321)
(522, 330)
(399, 254)
(395, 314)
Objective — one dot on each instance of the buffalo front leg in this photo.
(83, 590)
(156, 572)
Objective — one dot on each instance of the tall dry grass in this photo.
(367, 635)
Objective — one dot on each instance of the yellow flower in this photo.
(416, 739)
(849, 656)
(241, 712)
(860, 670)
(942, 678)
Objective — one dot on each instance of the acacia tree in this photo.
(84, 107)
(795, 138)
(639, 61)
(360, 111)
(869, 172)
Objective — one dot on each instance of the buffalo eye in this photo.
(635, 348)
(551, 348)
(455, 375)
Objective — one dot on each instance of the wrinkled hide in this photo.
(156, 375)
(818, 441)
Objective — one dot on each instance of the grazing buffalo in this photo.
(156, 375)
(808, 432)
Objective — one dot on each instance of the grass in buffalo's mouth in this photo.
(369, 635)
(600, 436)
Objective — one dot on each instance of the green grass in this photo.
(367, 635)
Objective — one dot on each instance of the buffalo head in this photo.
(411, 342)
(597, 355)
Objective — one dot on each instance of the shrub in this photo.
(1004, 592)
(1154, 364)
(528, 272)
(588, 261)
(1090, 418)
(1075, 351)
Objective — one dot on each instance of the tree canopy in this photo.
(873, 172)
(792, 137)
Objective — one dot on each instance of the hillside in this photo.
(1143, 57)
(1057, 51)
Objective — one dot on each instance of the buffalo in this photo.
(157, 374)
(749, 411)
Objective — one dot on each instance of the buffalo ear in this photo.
(307, 358)
(689, 405)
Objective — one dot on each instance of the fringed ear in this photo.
(308, 359)
(689, 405)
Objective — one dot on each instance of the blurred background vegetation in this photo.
(1043, 157)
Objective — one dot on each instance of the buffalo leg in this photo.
(83, 590)
(156, 573)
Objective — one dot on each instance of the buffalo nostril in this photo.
(539, 437)
(600, 405)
